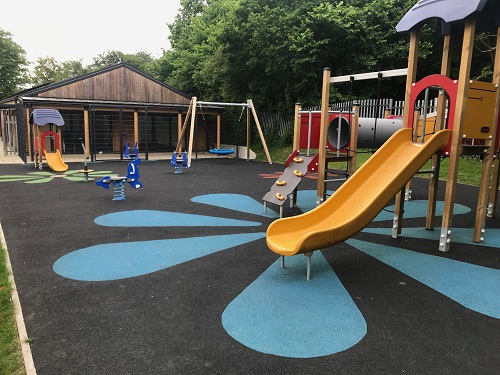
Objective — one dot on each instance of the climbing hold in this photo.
(297, 173)
(281, 183)
(280, 196)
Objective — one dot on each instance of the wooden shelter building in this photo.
(105, 110)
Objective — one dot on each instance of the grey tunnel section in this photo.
(372, 132)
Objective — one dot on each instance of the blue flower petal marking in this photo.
(418, 208)
(282, 313)
(129, 259)
(152, 218)
(458, 235)
(306, 199)
(236, 202)
(475, 287)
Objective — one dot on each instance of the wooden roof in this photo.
(118, 83)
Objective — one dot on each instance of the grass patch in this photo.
(469, 169)
(11, 361)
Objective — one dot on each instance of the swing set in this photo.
(191, 119)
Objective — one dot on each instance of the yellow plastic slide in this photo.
(356, 203)
(55, 162)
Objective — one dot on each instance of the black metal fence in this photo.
(281, 124)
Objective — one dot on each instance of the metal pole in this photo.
(372, 75)
(338, 133)
(224, 104)
(309, 254)
(309, 133)
(424, 115)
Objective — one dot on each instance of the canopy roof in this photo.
(44, 116)
(452, 12)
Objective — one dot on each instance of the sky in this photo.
(68, 31)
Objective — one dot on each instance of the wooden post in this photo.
(354, 138)
(184, 126)
(86, 132)
(136, 127)
(296, 127)
(410, 79)
(296, 142)
(36, 133)
(35, 143)
(257, 123)
(191, 130)
(179, 127)
(462, 91)
(416, 120)
(59, 137)
(496, 163)
(323, 134)
(484, 186)
(436, 159)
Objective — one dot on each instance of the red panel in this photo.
(315, 128)
(290, 158)
(304, 129)
(446, 83)
(313, 165)
(48, 133)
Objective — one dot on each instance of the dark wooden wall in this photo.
(121, 84)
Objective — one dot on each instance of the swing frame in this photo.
(191, 118)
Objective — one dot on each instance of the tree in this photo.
(106, 59)
(71, 69)
(13, 65)
(49, 70)
(46, 71)
(140, 60)
(275, 52)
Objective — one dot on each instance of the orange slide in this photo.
(359, 200)
(55, 161)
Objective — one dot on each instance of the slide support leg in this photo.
(444, 239)
(282, 261)
(308, 255)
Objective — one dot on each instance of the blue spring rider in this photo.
(118, 182)
(128, 155)
(179, 161)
